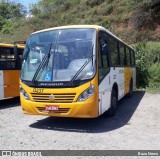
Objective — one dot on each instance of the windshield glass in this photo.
(67, 51)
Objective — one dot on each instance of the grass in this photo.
(153, 90)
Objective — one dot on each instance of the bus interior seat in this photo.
(77, 64)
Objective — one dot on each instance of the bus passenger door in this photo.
(11, 83)
(103, 75)
(104, 95)
(120, 81)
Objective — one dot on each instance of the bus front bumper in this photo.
(87, 109)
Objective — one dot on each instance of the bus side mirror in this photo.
(105, 49)
(16, 55)
(16, 50)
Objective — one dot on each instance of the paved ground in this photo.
(136, 126)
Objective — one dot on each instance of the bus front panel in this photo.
(60, 102)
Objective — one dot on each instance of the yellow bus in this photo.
(75, 71)
(10, 65)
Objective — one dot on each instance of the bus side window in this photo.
(103, 66)
(122, 55)
(7, 60)
(132, 58)
(128, 61)
(114, 52)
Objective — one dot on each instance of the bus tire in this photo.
(129, 95)
(111, 111)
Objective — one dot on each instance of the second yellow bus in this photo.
(10, 65)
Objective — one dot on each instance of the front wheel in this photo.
(111, 111)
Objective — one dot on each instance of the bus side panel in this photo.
(11, 83)
(117, 77)
(127, 79)
(1, 85)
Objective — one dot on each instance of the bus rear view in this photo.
(58, 76)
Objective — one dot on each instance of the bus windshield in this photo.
(58, 55)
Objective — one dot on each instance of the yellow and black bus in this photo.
(10, 65)
(75, 71)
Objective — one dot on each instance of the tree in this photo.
(147, 13)
(8, 12)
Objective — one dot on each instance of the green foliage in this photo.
(134, 21)
(153, 52)
(105, 9)
(148, 65)
(138, 4)
(4, 10)
(115, 15)
(93, 3)
(7, 27)
(147, 13)
(141, 65)
(2, 21)
(11, 10)
(8, 13)
(154, 77)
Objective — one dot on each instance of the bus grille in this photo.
(58, 98)
(61, 110)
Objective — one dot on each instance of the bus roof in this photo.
(97, 27)
(69, 27)
(6, 45)
(21, 46)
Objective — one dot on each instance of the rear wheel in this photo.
(111, 111)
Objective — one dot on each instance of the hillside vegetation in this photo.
(136, 22)
(132, 20)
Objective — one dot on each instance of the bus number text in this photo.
(38, 90)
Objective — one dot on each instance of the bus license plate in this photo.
(50, 108)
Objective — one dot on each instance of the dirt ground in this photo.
(136, 126)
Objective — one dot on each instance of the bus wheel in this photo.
(111, 111)
(130, 89)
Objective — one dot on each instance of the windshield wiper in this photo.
(81, 69)
(43, 63)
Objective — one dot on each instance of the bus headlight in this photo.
(24, 93)
(86, 94)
